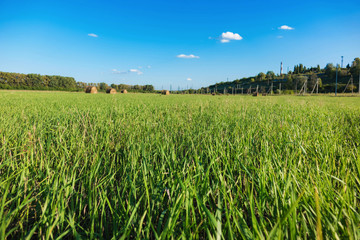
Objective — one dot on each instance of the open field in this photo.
(181, 166)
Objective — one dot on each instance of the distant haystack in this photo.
(111, 91)
(91, 89)
(124, 91)
(165, 92)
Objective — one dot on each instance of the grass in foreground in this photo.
(193, 167)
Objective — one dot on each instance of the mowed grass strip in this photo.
(147, 166)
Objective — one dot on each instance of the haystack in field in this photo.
(111, 91)
(255, 94)
(91, 89)
(165, 92)
(124, 91)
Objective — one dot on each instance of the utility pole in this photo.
(280, 89)
(317, 85)
(337, 66)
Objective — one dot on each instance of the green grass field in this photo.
(74, 165)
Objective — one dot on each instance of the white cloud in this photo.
(189, 79)
(187, 56)
(285, 27)
(224, 40)
(136, 71)
(92, 35)
(229, 36)
(115, 71)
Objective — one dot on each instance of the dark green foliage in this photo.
(36, 82)
(295, 80)
(45, 82)
(355, 68)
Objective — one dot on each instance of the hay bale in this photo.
(91, 89)
(213, 94)
(264, 94)
(255, 94)
(165, 92)
(111, 91)
(124, 91)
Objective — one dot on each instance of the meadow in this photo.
(127, 166)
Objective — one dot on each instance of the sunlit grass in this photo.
(179, 166)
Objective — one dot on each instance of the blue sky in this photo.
(179, 43)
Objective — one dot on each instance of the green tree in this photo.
(103, 86)
(312, 81)
(330, 70)
(289, 82)
(270, 75)
(300, 80)
(261, 76)
(301, 68)
(355, 67)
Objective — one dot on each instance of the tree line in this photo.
(46, 82)
(301, 77)
(35, 82)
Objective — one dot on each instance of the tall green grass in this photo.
(79, 166)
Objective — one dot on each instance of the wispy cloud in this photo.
(285, 27)
(187, 56)
(143, 67)
(189, 79)
(229, 36)
(115, 71)
(280, 37)
(92, 35)
(137, 71)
